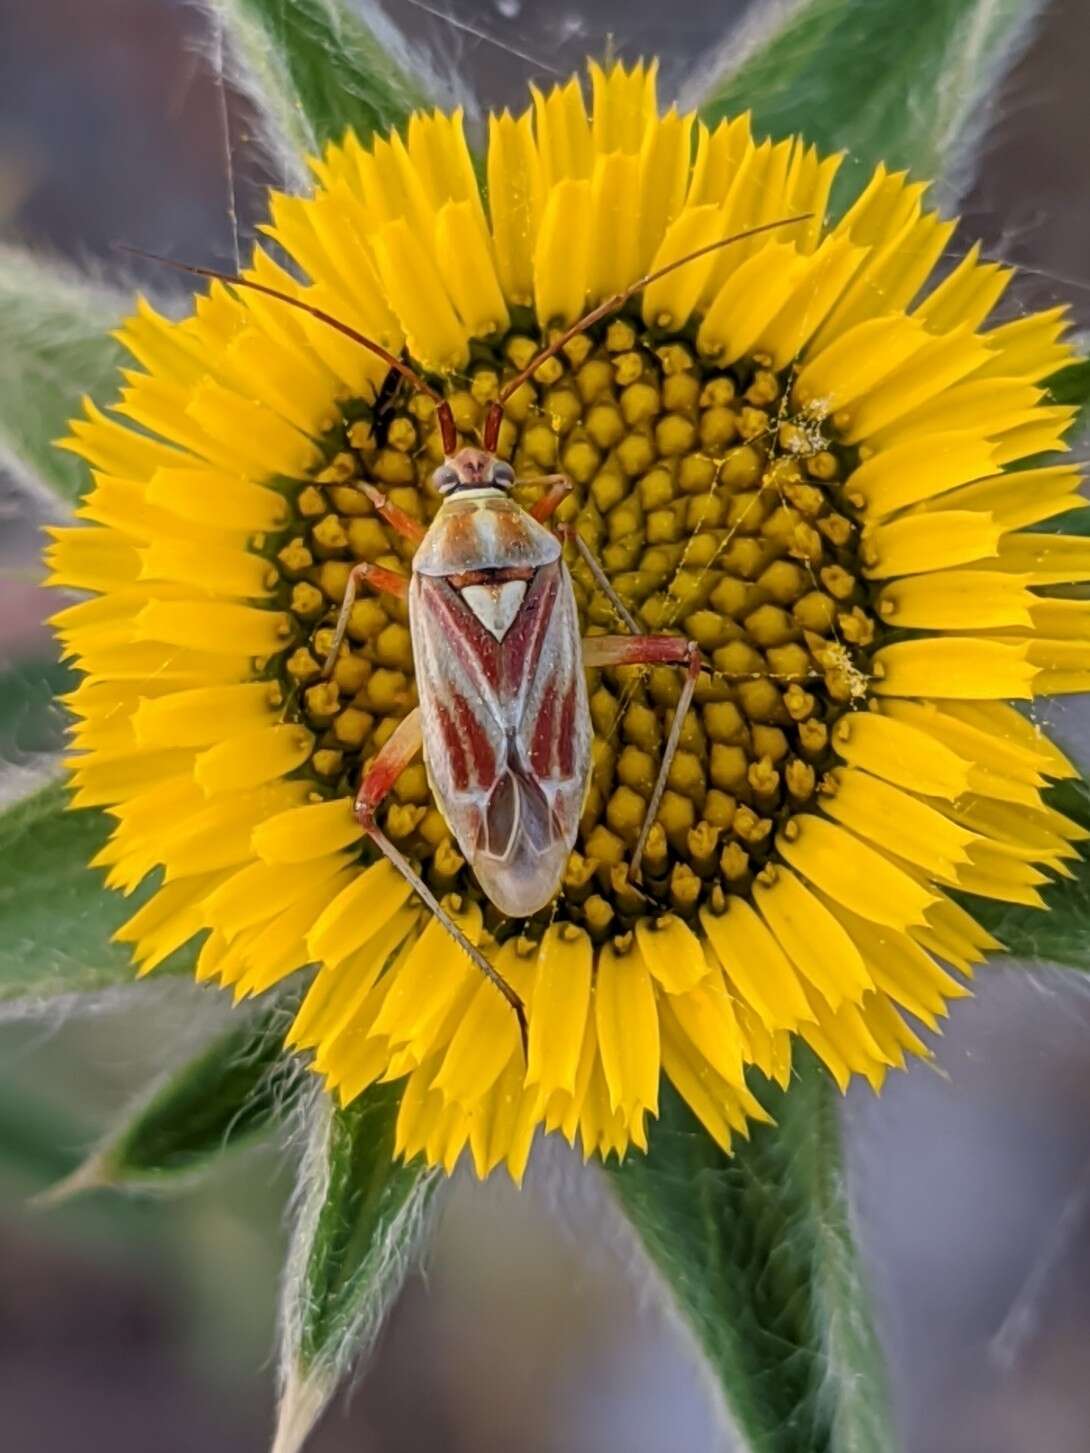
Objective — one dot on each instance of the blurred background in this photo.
(149, 1325)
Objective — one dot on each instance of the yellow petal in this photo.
(901, 754)
(951, 600)
(915, 543)
(91, 559)
(672, 952)
(669, 302)
(212, 498)
(206, 714)
(515, 199)
(358, 912)
(464, 254)
(628, 1030)
(340, 1001)
(706, 1015)
(851, 873)
(561, 1003)
(966, 295)
(892, 478)
(895, 820)
(487, 1038)
(811, 937)
(562, 254)
(414, 288)
(749, 300)
(929, 373)
(989, 742)
(664, 169)
(757, 967)
(613, 260)
(253, 757)
(1015, 500)
(437, 975)
(1045, 559)
(1030, 347)
(307, 832)
(955, 666)
(563, 133)
(247, 896)
(857, 361)
(204, 626)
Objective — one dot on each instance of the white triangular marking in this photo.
(496, 606)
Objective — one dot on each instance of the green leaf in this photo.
(907, 84)
(1062, 934)
(361, 1217)
(56, 918)
(235, 1089)
(756, 1249)
(31, 719)
(55, 328)
(315, 67)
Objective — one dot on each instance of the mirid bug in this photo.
(502, 721)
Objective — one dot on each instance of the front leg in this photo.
(560, 486)
(389, 763)
(651, 651)
(396, 518)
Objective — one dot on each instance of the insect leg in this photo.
(601, 579)
(396, 518)
(651, 650)
(379, 579)
(389, 763)
(560, 486)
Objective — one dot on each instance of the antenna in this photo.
(494, 417)
(442, 408)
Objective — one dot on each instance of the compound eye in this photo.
(445, 478)
(502, 474)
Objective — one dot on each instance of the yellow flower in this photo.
(793, 450)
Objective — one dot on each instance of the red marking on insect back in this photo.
(541, 746)
(480, 749)
(459, 763)
(523, 643)
(476, 649)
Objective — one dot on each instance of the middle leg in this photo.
(651, 651)
(379, 579)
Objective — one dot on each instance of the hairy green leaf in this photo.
(910, 85)
(756, 1249)
(315, 67)
(31, 719)
(236, 1088)
(56, 919)
(360, 1220)
(55, 326)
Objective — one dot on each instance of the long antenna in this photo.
(494, 418)
(442, 407)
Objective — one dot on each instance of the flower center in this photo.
(718, 509)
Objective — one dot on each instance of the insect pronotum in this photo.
(502, 719)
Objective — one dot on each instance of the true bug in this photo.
(502, 720)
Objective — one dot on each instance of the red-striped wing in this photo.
(506, 732)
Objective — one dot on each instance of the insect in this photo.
(502, 721)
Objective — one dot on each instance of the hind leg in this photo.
(389, 763)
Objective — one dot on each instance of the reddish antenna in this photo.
(494, 417)
(447, 429)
